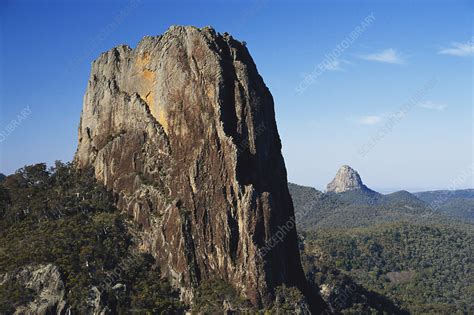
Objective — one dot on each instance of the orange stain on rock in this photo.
(146, 85)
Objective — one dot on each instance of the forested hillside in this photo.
(64, 246)
(59, 217)
(425, 269)
(315, 209)
(397, 248)
(455, 203)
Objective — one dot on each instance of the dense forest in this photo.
(315, 209)
(425, 269)
(395, 248)
(457, 203)
(62, 217)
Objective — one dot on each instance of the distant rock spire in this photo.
(346, 179)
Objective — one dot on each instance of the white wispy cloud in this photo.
(369, 120)
(459, 49)
(386, 56)
(432, 106)
(334, 64)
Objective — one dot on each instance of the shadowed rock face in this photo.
(182, 128)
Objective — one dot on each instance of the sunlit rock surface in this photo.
(182, 128)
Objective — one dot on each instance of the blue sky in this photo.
(366, 106)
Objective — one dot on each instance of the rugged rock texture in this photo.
(46, 285)
(183, 129)
(48, 291)
(346, 179)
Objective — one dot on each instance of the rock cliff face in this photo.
(45, 285)
(346, 179)
(182, 128)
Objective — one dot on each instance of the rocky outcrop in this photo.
(45, 284)
(182, 128)
(346, 179)
(47, 289)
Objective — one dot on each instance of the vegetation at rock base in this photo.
(62, 216)
(12, 295)
(213, 296)
(289, 300)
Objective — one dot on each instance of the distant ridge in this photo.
(347, 203)
(456, 203)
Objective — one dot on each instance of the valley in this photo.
(400, 246)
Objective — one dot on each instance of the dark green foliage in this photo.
(438, 196)
(213, 294)
(289, 300)
(455, 203)
(37, 193)
(12, 295)
(62, 216)
(423, 268)
(4, 201)
(303, 196)
(315, 210)
(355, 209)
(347, 296)
(144, 290)
(362, 242)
